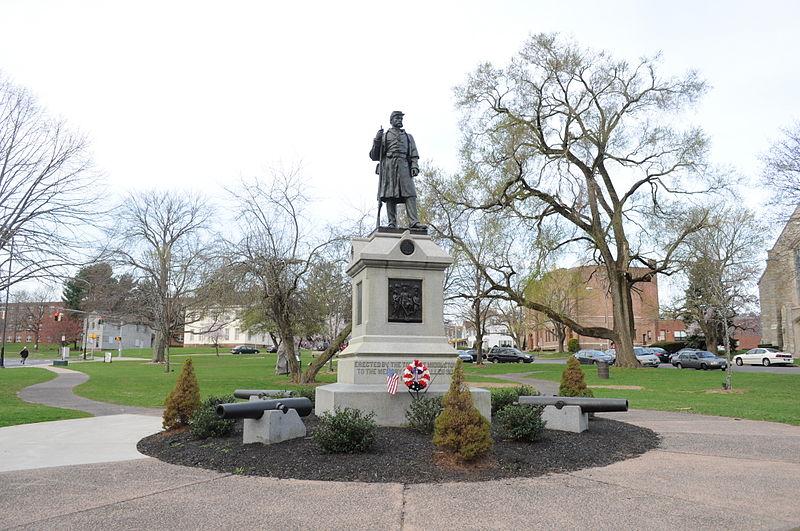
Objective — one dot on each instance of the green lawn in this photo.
(138, 383)
(14, 411)
(772, 397)
(756, 396)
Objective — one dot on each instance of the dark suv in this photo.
(244, 349)
(509, 355)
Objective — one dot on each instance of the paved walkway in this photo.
(709, 473)
(58, 393)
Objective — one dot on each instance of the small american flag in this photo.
(391, 381)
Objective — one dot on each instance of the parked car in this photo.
(646, 357)
(244, 349)
(643, 356)
(675, 355)
(273, 349)
(611, 352)
(663, 355)
(509, 355)
(474, 354)
(699, 359)
(765, 356)
(465, 356)
(590, 357)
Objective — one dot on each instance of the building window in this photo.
(680, 334)
(661, 335)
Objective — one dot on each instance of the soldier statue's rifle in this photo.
(380, 175)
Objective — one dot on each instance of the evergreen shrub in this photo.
(573, 345)
(205, 423)
(521, 423)
(184, 399)
(572, 382)
(421, 414)
(505, 396)
(460, 428)
(346, 431)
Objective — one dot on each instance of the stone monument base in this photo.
(389, 410)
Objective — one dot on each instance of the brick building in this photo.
(36, 322)
(592, 307)
(779, 289)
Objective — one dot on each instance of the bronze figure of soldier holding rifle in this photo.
(398, 164)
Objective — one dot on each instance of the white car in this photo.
(764, 356)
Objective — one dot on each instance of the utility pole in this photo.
(5, 315)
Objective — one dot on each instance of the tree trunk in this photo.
(622, 308)
(310, 374)
(158, 348)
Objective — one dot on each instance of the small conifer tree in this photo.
(184, 400)
(572, 382)
(460, 428)
(573, 345)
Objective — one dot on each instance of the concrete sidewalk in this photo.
(710, 473)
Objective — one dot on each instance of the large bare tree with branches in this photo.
(575, 138)
(162, 238)
(278, 259)
(781, 170)
(48, 190)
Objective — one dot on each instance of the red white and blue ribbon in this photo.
(416, 376)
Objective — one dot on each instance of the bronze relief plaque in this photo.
(405, 300)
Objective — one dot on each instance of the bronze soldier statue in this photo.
(397, 157)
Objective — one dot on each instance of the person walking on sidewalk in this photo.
(23, 354)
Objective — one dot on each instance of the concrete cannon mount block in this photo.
(568, 418)
(390, 410)
(274, 426)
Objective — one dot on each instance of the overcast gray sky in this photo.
(195, 94)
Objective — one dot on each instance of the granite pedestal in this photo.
(398, 308)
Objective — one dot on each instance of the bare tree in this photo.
(48, 191)
(161, 237)
(276, 259)
(573, 137)
(722, 264)
(781, 170)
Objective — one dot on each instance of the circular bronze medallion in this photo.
(406, 247)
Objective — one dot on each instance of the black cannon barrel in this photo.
(247, 393)
(255, 408)
(587, 405)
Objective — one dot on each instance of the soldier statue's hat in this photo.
(395, 113)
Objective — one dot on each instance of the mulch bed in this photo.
(404, 456)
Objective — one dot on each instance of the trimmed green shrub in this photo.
(505, 396)
(460, 428)
(670, 346)
(205, 423)
(573, 345)
(346, 431)
(521, 423)
(184, 399)
(572, 382)
(421, 414)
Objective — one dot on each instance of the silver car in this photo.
(646, 357)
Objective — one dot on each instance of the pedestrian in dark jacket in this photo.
(23, 354)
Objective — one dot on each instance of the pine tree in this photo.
(572, 383)
(184, 400)
(460, 428)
